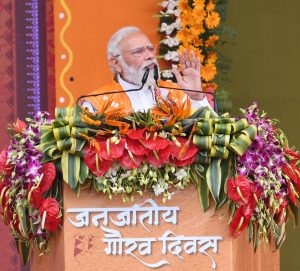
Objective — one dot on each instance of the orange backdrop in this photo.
(82, 30)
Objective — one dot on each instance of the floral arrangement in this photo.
(267, 183)
(191, 25)
(31, 203)
(244, 161)
(197, 25)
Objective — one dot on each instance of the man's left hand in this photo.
(190, 78)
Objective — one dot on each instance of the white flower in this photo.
(180, 174)
(167, 74)
(177, 24)
(168, 29)
(171, 4)
(158, 189)
(171, 55)
(126, 174)
(164, 4)
(112, 172)
(177, 12)
(171, 42)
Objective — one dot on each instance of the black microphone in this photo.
(144, 80)
(216, 105)
(155, 74)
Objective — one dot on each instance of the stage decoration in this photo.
(243, 161)
(30, 199)
(267, 184)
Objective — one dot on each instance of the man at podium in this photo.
(130, 53)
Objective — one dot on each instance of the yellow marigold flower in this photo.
(198, 15)
(184, 34)
(212, 20)
(208, 72)
(197, 30)
(199, 10)
(210, 42)
(199, 3)
(209, 87)
(210, 6)
(212, 58)
(197, 41)
(186, 19)
(183, 5)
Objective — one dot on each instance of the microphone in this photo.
(144, 80)
(216, 105)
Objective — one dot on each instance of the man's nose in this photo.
(149, 55)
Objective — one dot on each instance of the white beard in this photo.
(135, 76)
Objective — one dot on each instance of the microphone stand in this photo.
(144, 80)
(216, 105)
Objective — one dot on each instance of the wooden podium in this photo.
(148, 234)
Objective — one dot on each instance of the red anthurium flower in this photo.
(280, 215)
(240, 220)
(2, 186)
(110, 150)
(19, 126)
(8, 214)
(185, 151)
(95, 163)
(181, 163)
(35, 197)
(136, 147)
(254, 196)
(49, 172)
(155, 142)
(4, 168)
(136, 134)
(292, 193)
(157, 158)
(239, 190)
(293, 172)
(49, 213)
(4, 195)
(294, 156)
(129, 160)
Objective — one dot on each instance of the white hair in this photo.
(113, 49)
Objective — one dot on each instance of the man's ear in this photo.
(114, 63)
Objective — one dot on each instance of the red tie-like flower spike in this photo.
(239, 189)
(95, 163)
(35, 197)
(240, 220)
(160, 157)
(49, 172)
(110, 150)
(4, 168)
(49, 213)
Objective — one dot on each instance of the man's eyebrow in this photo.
(142, 47)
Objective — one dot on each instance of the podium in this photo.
(147, 234)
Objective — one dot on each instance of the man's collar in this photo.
(125, 84)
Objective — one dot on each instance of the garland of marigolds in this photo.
(192, 25)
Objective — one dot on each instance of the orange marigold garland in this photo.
(190, 24)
